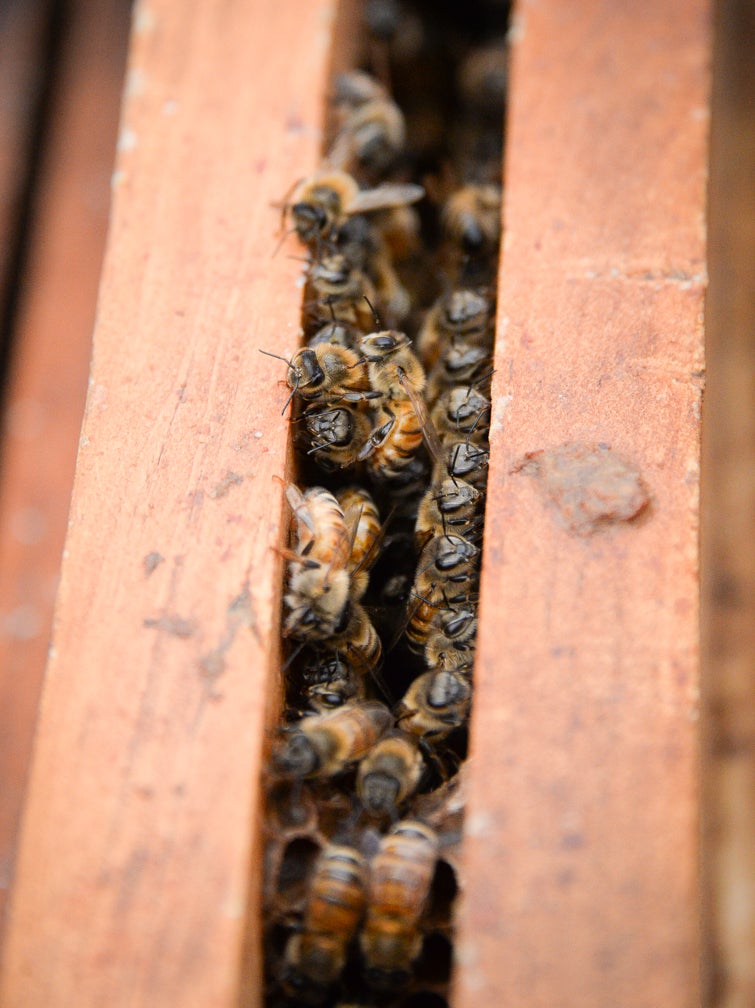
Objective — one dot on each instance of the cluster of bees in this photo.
(391, 405)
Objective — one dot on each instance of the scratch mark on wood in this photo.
(172, 624)
(221, 489)
(151, 561)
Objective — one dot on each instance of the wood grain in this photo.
(581, 885)
(49, 373)
(728, 587)
(139, 850)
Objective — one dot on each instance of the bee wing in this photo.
(302, 517)
(384, 197)
(429, 432)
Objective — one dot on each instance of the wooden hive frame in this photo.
(137, 872)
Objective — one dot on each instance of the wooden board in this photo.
(50, 367)
(728, 507)
(581, 851)
(138, 869)
(139, 851)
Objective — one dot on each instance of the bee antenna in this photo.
(277, 357)
(293, 656)
(374, 313)
(284, 234)
(484, 378)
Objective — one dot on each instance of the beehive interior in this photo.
(360, 877)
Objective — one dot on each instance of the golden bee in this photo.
(461, 363)
(447, 570)
(396, 374)
(335, 436)
(322, 745)
(323, 202)
(462, 413)
(357, 640)
(372, 130)
(451, 641)
(320, 526)
(401, 874)
(461, 314)
(331, 683)
(335, 333)
(318, 579)
(336, 287)
(436, 703)
(389, 774)
(391, 364)
(452, 505)
(471, 219)
(363, 246)
(467, 461)
(316, 955)
(328, 374)
(393, 444)
(363, 521)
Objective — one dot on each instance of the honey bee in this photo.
(372, 130)
(453, 505)
(396, 373)
(400, 877)
(447, 569)
(435, 704)
(315, 956)
(467, 461)
(336, 334)
(357, 639)
(319, 583)
(389, 774)
(331, 683)
(336, 436)
(323, 745)
(327, 374)
(363, 246)
(462, 412)
(471, 219)
(321, 533)
(461, 363)
(394, 442)
(363, 520)
(334, 283)
(482, 79)
(461, 314)
(322, 203)
(391, 364)
(451, 642)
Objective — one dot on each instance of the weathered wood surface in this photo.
(581, 884)
(728, 509)
(49, 370)
(139, 849)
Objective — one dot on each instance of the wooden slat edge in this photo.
(48, 383)
(136, 857)
(581, 878)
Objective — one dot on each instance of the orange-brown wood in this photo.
(581, 883)
(139, 848)
(48, 379)
(728, 547)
